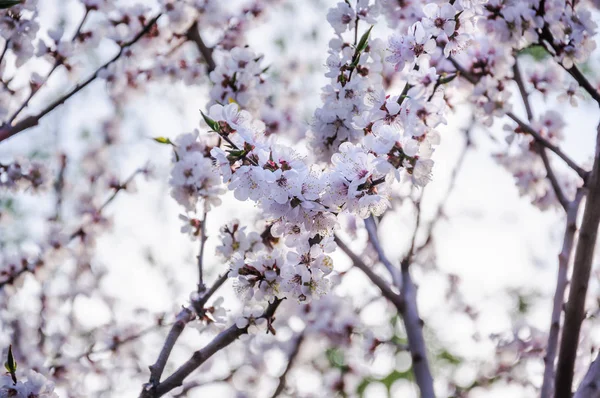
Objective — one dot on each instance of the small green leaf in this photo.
(362, 44)
(211, 123)
(448, 79)
(11, 365)
(9, 3)
(163, 140)
(537, 52)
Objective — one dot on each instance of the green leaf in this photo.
(9, 3)
(447, 356)
(362, 44)
(336, 358)
(395, 375)
(11, 364)
(537, 52)
(211, 123)
(163, 140)
(448, 79)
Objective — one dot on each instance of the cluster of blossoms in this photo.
(20, 175)
(240, 79)
(524, 162)
(368, 136)
(34, 386)
(19, 27)
(518, 24)
(355, 80)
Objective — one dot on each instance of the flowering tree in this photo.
(322, 190)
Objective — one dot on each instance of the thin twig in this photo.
(584, 255)
(371, 228)
(292, 357)
(544, 142)
(560, 196)
(406, 306)
(573, 70)
(7, 131)
(185, 315)
(203, 238)
(221, 341)
(540, 149)
(378, 281)
(518, 78)
(524, 126)
(451, 185)
(80, 230)
(559, 294)
(193, 34)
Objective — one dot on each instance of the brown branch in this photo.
(547, 144)
(193, 34)
(559, 294)
(542, 152)
(574, 312)
(574, 70)
(221, 341)
(518, 78)
(182, 319)
(560, 196)
(7, 131)
(201, 302)
(584, 82)
(184, 316)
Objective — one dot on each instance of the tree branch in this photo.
(524, 126)
(221, 341)
(559, 294)
(406, 304)
(201, 286)
(584, 255)
(193, 34)
(79, 231)
(387, 292)
(7, 131)
(414, 332)
(291, 359)
(184, 316)
(518, 77)
(544, 142)
(560, 196)
(590, 385)
(201, 302)
(372, 231)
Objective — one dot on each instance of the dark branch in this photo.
(584, 255)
